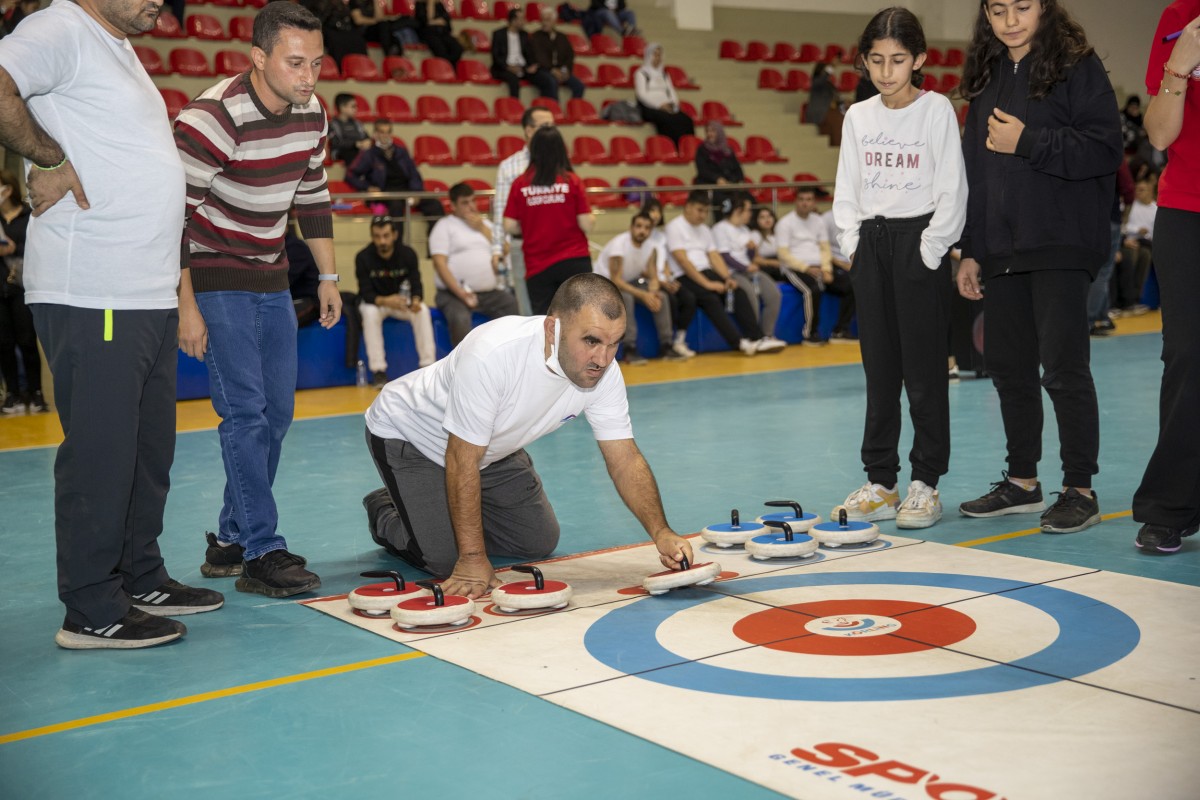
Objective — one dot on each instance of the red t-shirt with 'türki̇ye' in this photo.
(548, 215)
(1179, 186)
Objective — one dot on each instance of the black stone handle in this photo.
(379, 573)
(538, 581)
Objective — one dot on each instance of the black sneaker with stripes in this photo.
(173, 599)
(134, 630)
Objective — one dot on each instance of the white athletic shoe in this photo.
(748, 346)
(680, 345)
(769, 344)
(871, 503)
(921, 508)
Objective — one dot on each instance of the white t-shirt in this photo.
(468, 254)
(695, 240)
(515, 57)
(91, 94)
(900, 163)
(658, 240)
(802, 237)
(764, 245)
(496, 390)
(1141, 215)
(732, 239)
(633, 258)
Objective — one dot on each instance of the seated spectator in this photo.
(631, 262)
(512, 59)
(766, 253)
(433, 28)
(657, 99)
(392, 32)
(347, 136)
(342, 36)
(841, 285)
(613, 14)
(716, 163)
(735, 242)
(697, 265)
(389, 285)
(467, 272)
(554, 55)
(682, 302)
(806, 259)
(822, 95)
(16, 321)
(386, 166)
(1137, 249)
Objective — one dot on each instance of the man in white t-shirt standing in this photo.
(507, 173)
(449, 440)
(805, 258)
(465, 270)
(736, 244)
(100, 277)
(632, 263)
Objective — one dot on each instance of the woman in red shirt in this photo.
(548, 209)
(1168, 501)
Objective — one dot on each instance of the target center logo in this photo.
(850, 626)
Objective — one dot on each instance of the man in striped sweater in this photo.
(252, 146)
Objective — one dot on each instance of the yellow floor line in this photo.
(151, 708)
(1029, 532)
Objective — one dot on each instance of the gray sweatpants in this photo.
(518, 521)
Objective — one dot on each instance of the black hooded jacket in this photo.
(1047, 205)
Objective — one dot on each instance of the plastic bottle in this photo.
(406, 292)
(502, 277)
(361, 378)
(729, 300)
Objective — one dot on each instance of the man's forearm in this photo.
(635, 484)
(322, 250)
(464, 493)
(19, 131)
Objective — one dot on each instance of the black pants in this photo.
(544, 81)
(441, 43)
(16, 332)
(1170, 490)
(810, 295)
(713, 305)
(683, 308)
(116, 402)
(543, 285)
(672, 124)
(903, 329)
(1040, 318)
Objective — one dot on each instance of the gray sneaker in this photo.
(1071, 512)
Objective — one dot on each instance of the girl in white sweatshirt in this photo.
(899, 205)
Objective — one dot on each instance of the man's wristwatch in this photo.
(334, 277)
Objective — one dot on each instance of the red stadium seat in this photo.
(479, 40)
(761, 149)
(626, 150)
(805, 176)
(483, 203)
(614, 76)
(254, 3)
(358, 67)
(474, 150)
(797, 80)
(675, 198)
(507, 145)
(399, 68)
(661, 150)
(604, 45)
(167, 27)
(329, 70)
(473, 9)
(688, 145)
(346, 206)
(471, 71)
(552, 106)
(205, 26)
(590, 150)
(431, 108)
(582, 112)
(755, 51)
(930, 84)
(533, 13)
(950, 82)
(963, 110)
(847, 81)
(580, 44)
(834, 53)
(500, 9)
(225, 3)
(474, 111)
(402, 7)
(736, 147)
(602, 199)
(690, 110)
(730, 49)
(175, 100)
(809, 53)
(934, 57)
(438, 70)
(150, 59)
(784, 53)
(509, 110)
(585, 74)
(395, 108)
(434, 185)
(716, 110)
(633, 46)
(241, 28)
(679, 78)
(769, 78)
(190, 62)
(785, 194)
(231, 62)
(955, 57)
(433, 150)
(365, 112)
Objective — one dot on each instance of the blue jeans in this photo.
(1098, 300)
(606, 17)
(251, 362)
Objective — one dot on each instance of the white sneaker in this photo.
(748, 346)
(871, 503)
(769, 344)
(680, 345)
(921, 508)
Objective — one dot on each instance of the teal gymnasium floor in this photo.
(268, 699)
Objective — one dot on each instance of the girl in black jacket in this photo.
(1042, 145)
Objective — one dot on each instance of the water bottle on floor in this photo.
(361, 378)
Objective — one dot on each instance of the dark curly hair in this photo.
(895, 23)
(1058, 45)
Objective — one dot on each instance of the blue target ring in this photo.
(1092, 635)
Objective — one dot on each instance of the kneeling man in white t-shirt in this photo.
(449, 440)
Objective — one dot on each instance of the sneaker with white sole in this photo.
(871, 503)
(173, 599)
(134, 630)
(680, 345)
(921, 508)
(748, 346)
(769, 344)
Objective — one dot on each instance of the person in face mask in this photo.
(448, 440)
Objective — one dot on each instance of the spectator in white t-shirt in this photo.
(449, 440)
(682, 302)
(466, 270)
(631, 262)
(736, 244)
(1137, 250)
(805, 257)
(766, 251)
